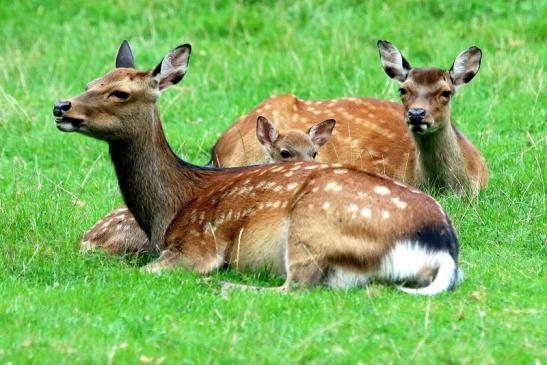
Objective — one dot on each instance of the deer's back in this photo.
(370, 134)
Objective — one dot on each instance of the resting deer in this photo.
(310, 222)
(119, 233)
(374, 134)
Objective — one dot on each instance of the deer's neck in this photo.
(154, 183)
(439, 159)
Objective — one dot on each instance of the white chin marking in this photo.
(66, 127)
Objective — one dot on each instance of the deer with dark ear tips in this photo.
(444, 157)
(311, 223)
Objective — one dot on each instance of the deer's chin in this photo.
(67, 124)
(421, 128)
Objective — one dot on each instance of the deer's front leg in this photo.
(200, 256)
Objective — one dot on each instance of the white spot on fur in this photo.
(277, 188)
(229, 215)
(311, 167)
(399, 203)
(366, 212)
(315, 190)
(276, 204)
(333, 186)
(385, 214)
(284, 204)
(353, 208)
(381, 190)
(288, 173)
(291, 186)
(341, 171)
(326, 205)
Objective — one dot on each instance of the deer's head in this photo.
(293, 145)
(426, 92)
(120, 104)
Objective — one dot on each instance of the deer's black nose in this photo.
(60, 107)
(416, 115)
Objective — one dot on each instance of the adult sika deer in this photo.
(309, 222)
(118, 232)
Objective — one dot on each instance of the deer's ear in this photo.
(466, 66)
(266, 132)
(321, 132)
(393, 62)
(124, 57)
(173, 66)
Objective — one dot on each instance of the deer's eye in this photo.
(402, 91)
(314, 155)
(285, 154)
(122, 95)
(446, 93)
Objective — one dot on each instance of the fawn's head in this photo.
(120, 104)
(293, 145)
(426, 92)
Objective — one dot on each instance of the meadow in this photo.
(59, 306)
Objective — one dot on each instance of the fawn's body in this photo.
(308, 221)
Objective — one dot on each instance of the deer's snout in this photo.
(416, 115)
(60, 107)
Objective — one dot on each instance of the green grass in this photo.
(57, 306)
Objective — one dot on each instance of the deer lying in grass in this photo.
(372, 134)
(310, 222)
(118, 233)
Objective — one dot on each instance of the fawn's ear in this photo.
(124, 57)
(466, 66)
(393, 62)
(266, 132)
(173, 67)
(321, 132)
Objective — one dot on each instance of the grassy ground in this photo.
(57, 306)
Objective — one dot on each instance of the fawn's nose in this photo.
(60, 107)
(416, 115)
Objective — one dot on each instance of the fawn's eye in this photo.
(446, 93)
(285, 154)
(314, 155)
(122, 95)
(402, 91)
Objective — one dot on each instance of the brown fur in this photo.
(299, 218)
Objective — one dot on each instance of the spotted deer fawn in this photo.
(310, 222)
(374, 134)
(119, 233)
